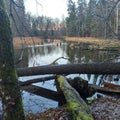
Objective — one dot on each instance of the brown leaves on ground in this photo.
(102, 109)
(106, 109)
(51, 114)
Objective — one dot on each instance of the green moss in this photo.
(78, 111)
(84, 116)
(76, 107)
(61, 80)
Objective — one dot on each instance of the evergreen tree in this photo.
(71, 19)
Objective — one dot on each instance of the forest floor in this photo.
(102, 108)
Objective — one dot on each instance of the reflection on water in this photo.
(46, 54)
(43, 55)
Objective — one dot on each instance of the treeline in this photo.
(96, 18)
(45, 27)
(25, 24)
(93, 18)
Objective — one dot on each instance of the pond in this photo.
(45, 54)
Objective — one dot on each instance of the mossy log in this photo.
(75, 103)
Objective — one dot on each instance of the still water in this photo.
(46, 54)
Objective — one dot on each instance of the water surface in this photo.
(46, 54)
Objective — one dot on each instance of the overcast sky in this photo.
(51, 8)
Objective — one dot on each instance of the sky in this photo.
(50, 8)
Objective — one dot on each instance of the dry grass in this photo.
(26, 41)
(17, 42)
(100, 42)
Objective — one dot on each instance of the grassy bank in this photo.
(27, 41)
(96, 42)
(101, 43)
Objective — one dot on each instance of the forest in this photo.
(96, 18)
(80, 54)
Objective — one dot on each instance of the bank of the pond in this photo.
(28, 41)
(99, 108)
(94, 42)
(102, 109)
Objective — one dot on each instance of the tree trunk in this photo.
(75, 103)
(88, 68)
(10, 91)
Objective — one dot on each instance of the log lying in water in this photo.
(43, 79)
(75, 103)
(81, 85)
(89, 68)
(50, 94)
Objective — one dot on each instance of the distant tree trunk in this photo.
(9, 87)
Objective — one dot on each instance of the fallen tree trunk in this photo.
(49, 94)
(104, 90)
(111, 85)
(88, 68)
(28, 82)
(87, 90)
(75, 103)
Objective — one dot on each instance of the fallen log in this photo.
(75, 103)
(88, 68)
(104, 90)
(49, 94)
(87, 90)
(28, 82)
(111, 85)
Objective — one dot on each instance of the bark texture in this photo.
(88, 68)
(9, 88)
